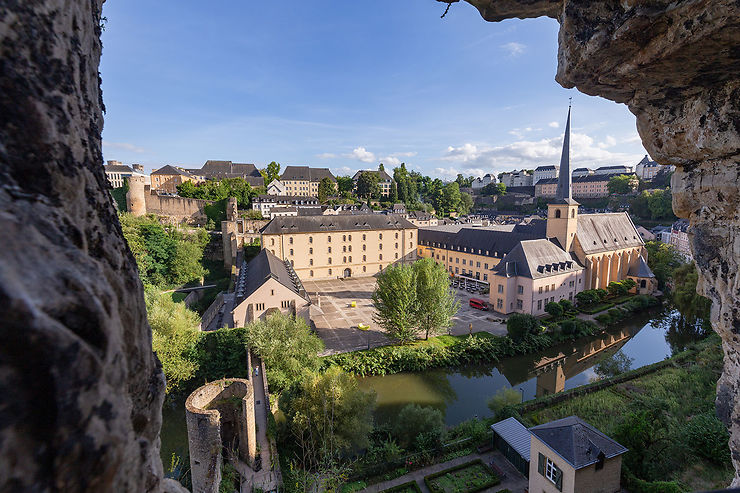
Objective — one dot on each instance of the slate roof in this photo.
(641, 269)
(515, 434)
(360, 222)
(549, 181)
(536, 259)
(286, 199)
(170, 170)
(117, 168)
(602, 177)
(311, 210)
(382, 175)
(576, 441)
(481, 241)
(260, 269)
(619, 166)
(681, 225)
(306, 173)
(287, 208)
(543, 168)
(606, 232)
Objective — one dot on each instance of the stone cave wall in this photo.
(676, 65)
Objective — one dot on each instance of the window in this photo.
(396, 245)
(396, 235)
(272, 241)
(499, 304)
(547, 288)
(285, 304)
(344, 260)
(500, 288)
(553, 287)
(259, 306)
(310, 261)
(457, 260)
(520, 289)
(364, 258)
(310, 239)
(485, 266)
(557, 213)
(380, 257)
(364, 268)
(396, 255)
(456, 270)
(290, 240)
(272, 292)
(344, 237)
(485, 277)
(380, 236)
(380, 246)
(364, 247)
(328, 239)
(329, 269)
(539, 304)
(519, 304)
(571, 284)
(350, 237)
(411, 244)
(364, 237)
(291, 251)
(350, 248)
(540, 290)
(344, 248)
(350, 259)
(464, 262)
(411, 235)
(329, 260)
(553, 473)
(328, 250)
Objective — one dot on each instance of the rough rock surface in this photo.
(676, 64)
(81, 389)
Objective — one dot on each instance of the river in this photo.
(462, 393)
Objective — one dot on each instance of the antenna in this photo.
(570, 101)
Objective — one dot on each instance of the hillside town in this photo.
(572, 252)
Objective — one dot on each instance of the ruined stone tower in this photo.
(135, 198)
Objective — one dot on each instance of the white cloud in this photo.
(123, 146)
(344, 170)
(361, 154)
(390, 161)
(326, 155)
(532, 153)
(553, 125)
(632, 140)
(609, 141)
(404, 154)
(513, 48)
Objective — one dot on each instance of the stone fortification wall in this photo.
(219, 414)
(177, 209)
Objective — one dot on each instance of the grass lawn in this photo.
(465, 478)
(680, 394)
(621, 299)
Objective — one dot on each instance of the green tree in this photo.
(436, 304)
(494, 189)
(622, 184)
(617, 288)
(567, 305)
(396, 302)
(460, 180)
(174, 334)
(663, 258)
(660, 204)
(326, 189)
(450, 197)
(414, 420)
(326, 415)
(345, 184)
(393, 197)
(271, 172)
(187, 189)
(367, 185)
(691, 304)
(287, 346)
(520, 325)
(554, 309)
(466, 203)
(505, 397)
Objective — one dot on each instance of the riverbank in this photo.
(664, 415)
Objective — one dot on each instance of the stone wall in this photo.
(177, 209)
(676, 65)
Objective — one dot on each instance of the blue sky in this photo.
(344, 85)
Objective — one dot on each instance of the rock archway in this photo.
(76, 353)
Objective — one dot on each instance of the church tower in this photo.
(562, 212)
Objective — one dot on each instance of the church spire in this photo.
(563, 192)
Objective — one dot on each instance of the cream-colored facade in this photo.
(525, 295)
(470, 262)
(304, 181)
(168, 178)
(272, 295)
(605, 479)
(303, 188)
(342, 252)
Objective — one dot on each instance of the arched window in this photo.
(557, 213)
(310, 251)
(291, 251)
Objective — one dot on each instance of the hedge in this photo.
(410, 485)
(491, 482)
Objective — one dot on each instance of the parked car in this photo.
(478, 304)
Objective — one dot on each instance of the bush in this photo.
(519, 325)
(554, 309)
(566, 305)
(575, 327)
(415, 420)
(503, 398)
(707, 437)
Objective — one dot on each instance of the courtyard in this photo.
(336, 320)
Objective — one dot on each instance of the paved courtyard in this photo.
(336, 320)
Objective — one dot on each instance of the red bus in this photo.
(478, 304)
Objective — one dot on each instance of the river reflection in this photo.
(462, 393)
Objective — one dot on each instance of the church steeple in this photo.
(563, 192)
(562, 211)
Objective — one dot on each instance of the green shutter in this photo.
(558, 479)
(541, 464)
